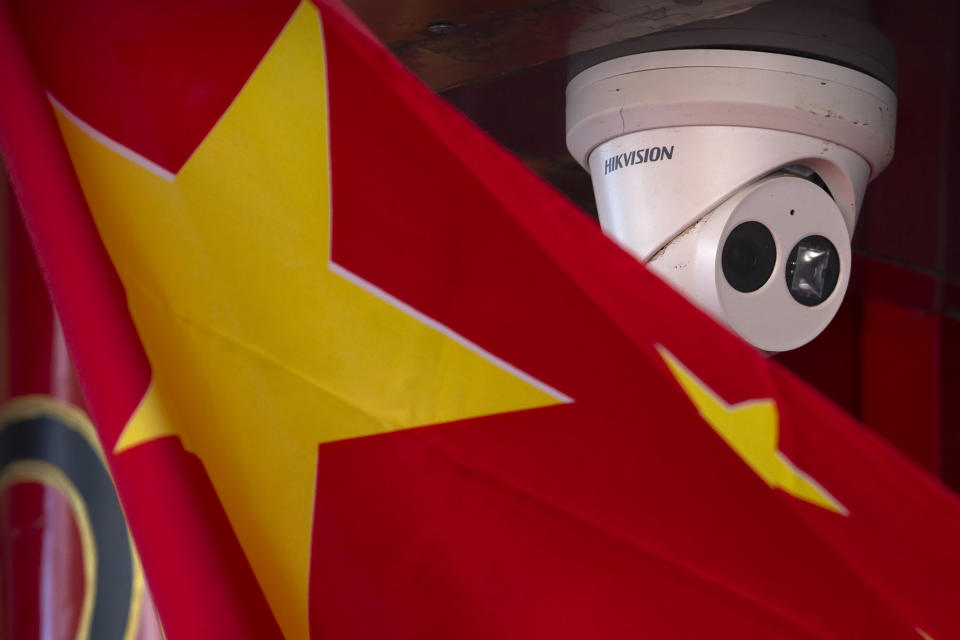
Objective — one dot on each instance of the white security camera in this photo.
(736, 175)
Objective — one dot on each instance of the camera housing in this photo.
(736, 175)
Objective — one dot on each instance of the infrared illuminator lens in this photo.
(812, 270)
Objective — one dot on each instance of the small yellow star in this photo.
(752, 430)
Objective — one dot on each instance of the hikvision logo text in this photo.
(650, 154)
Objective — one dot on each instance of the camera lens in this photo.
(812, 270)
(749, 256)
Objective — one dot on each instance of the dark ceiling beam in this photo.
(472, 41)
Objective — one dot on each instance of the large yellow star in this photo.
(752, 430)
(261, 347)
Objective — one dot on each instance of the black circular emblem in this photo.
(36, 429)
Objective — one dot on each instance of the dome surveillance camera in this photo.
(736, 175)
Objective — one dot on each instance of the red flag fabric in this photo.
(69, 569)
(360, 373)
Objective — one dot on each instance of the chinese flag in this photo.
(360, 374)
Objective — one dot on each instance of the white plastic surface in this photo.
(768, 318)
(643, 205)
(737, 88)
(681, 146)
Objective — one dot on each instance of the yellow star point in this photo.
(752, 430)
(261, 348)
